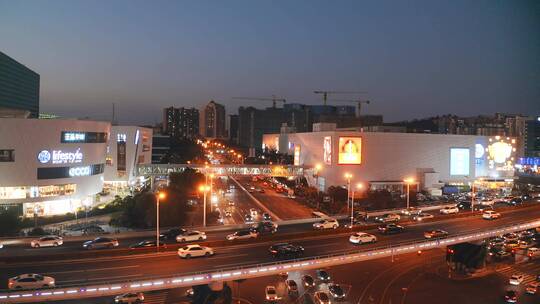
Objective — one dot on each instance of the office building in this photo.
(19, 87)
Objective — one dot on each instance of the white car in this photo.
(242, 235)
(47, 241)
(516, 279)
(328, 223)
(190, 236)
(449, 210)
(30, 281)
(191, 251)
(411, 211)
(487, 201)
(490, 215)
(423, 216)
(253, 212)
(362, 238)
(387, 218)
(271, 293)
(130, 298)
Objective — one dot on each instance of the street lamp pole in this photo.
(408, 181)
(348, 177)
(359, 186)
(211, 192)
(160, 195)
(204, 189)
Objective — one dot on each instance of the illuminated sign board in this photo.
(74, 136)
(60, 157)
(80, 171)
(297, 155)
(327, 150)
(350, 151)
(479, 151)
(137, 137)
(459, 161)
(121, 137)
(529, 161)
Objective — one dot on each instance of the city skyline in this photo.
(410, 60)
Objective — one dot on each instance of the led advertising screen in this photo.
(350, 151)
(459, 161)
(297, 155)
(327, 152)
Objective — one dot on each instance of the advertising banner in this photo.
(327, 152)
(297, 155)
(350, 151)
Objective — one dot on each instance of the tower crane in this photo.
(274, 99)
(359, 102)
(326, 93)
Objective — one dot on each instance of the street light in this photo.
(211, 192)
(358, 186)
(159, 196)
(473, 192)
(348, 176)
(409, 181)
(204, 189)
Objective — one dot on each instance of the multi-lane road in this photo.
(74, 269)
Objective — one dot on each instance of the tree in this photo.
(10, 222)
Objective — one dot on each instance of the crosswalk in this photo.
(530, 270)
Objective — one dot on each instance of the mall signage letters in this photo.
(60, 157)
(80, 171)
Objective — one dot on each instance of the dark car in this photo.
(172, 233)
(515, 201)
(390, 229)
(525, 197)
(308, 281)
(100, 242)
(501, 254)
(264, 227)
(287, 251)
(497, 241)
(336, 291)
(323, 275)
(510, 296)
(266, 217)
(147, 244)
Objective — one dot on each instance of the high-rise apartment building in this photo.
(212, 123)
(181, 122)
(19, 87)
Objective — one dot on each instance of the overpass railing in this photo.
(267, 170)
(112, 288)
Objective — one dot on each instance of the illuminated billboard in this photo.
(297, 155)
(500, 153)
(327, 150)
(459, 161)
(350, 151)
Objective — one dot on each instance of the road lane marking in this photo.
(99, 279)
(94, 269)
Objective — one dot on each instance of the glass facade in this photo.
(19, 86)
(23, 192)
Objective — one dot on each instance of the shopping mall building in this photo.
(383, 160)
(55, 166)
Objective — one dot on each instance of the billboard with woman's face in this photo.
(350, 151)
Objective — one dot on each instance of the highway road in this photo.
(284, 207)
(72, 270)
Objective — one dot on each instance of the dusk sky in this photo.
(414, 58)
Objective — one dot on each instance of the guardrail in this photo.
(112, 288)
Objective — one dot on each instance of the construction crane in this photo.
(357, 101)
(325, 94)
(274, 99)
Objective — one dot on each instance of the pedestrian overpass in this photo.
(163, 170)
(251, 271)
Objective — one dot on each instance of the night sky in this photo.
(414, 58)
